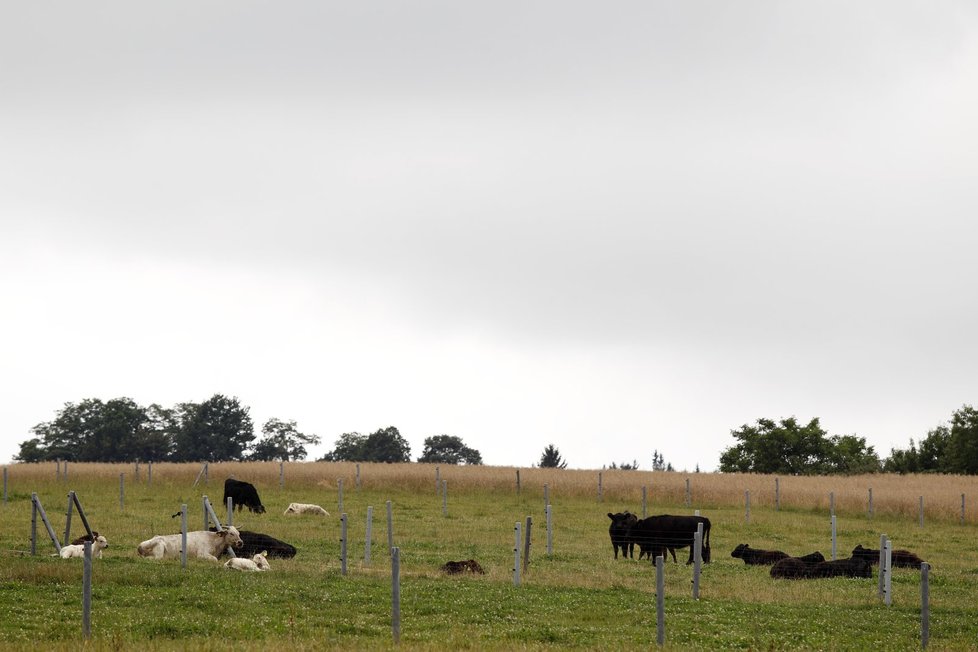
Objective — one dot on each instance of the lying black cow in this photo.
(806, 568)
(256, 542)
(620, 528)
(243, 494)
(757, 557)
(656, 535)
(903, 558)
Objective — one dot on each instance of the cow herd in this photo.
(661, 535)
(251, 549)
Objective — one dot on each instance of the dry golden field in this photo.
(895, 495)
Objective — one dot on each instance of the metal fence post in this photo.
(396, 593)
(87, 592)
(660, 601)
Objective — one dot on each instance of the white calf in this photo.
(78, 549)
(256, 563)
(201, 543)
(305, 508)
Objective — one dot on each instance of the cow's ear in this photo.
(223, 533)
(611, 516)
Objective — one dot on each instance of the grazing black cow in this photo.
(756, 557)
(657, 534)
(243, 494)
(798, 568)
(620, 528)
(903, 558)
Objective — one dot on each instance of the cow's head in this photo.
(622, 520)
(231, 536)
(257, 509)
(739, 550)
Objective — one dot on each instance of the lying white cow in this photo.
(201, 543)
(78, 549)
(305, 508)
(256, 563)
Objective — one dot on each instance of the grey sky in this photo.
(612, 227)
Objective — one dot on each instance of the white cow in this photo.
(78, 549)
(256, 563)
(305, 508)
(200, 543)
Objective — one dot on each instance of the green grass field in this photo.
(580, 597)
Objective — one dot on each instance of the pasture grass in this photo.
(580, 597)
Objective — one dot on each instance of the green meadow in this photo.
(577, 597)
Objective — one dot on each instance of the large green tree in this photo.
(348, 448)
(217, 430)
(948, 448)
(448, 449)
(384, 445)
(962, 442)
(91, 431)
(281, 441)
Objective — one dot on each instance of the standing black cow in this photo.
(243, 494)
(620, 528)
(657, 534)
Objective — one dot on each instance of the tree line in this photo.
(219, 429)
(790, 447)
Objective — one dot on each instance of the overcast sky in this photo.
(613, 227)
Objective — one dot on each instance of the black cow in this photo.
(620, 528)
(256, 542)
(800, 568)
(903, 558)
(657, 534)
(243, 494)
(757, 557)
